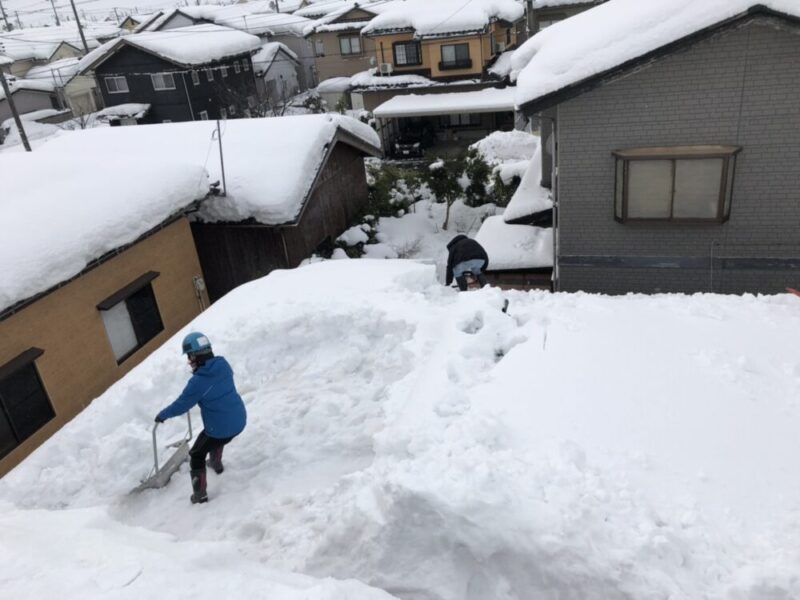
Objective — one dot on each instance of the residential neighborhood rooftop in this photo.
(36, 85)
(270, 163)
(59, 213)
(609, 35)
(195, 45)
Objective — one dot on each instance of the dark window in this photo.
(460, 120)
(131, 317)
(116, 85)
(407, 53)
(680, 183)
(508, 37)
(455, 56)
(24, 405)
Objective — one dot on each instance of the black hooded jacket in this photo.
(460, 249)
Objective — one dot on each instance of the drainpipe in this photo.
(188, 99)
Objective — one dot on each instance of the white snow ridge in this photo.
(406, 441)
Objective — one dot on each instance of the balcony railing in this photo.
(459, 64)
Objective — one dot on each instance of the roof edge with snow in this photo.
(537, 104)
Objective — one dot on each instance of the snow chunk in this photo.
(530, 197)
(334, 85)
(506, 146)
(131, 110)
(515, 246)
(354, 235)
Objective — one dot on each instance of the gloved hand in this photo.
(159, 419)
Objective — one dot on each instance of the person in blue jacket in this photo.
(222, 409)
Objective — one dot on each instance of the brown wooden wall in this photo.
(78, 364)
(233, 254)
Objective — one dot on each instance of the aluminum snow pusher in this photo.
(159, 476)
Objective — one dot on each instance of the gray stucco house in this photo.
(674, 168)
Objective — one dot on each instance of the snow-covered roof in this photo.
(262, 60)
(40, 42)
(501, 67)
(369, 79)
(482, 101)
(132, 110)
(270, 164)
(61, 71)
(15, 85)
(266, 23)
(60, 212)
(611, 34)
(5, 60)
(334, 85)
(444, 17)
(319, 9)
(515, 246)
(326, 23)
(555, 3)
(195, 45)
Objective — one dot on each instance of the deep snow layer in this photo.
(425, 443)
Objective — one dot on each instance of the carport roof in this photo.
(427, 105)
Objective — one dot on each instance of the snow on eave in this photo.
(482, 101)
(540, 88)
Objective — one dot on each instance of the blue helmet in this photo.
(195, 343)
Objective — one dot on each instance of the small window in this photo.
(246, 65)
(236, 67)
(24, 405)
(350, 44)
(162, 81)
(455, 56)
(407, 53)
(131, 317)
(508, 37)
(680, 183)
(232, 109)
(223, 71)
(203, 115)
(116, 85)
(195, 78)
(223, 113)
(209, 75)
(319, 48)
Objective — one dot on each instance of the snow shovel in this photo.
(159, 476)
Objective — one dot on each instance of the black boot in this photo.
(215, 460)
(461, 280)
(482, 279)
(198, 486)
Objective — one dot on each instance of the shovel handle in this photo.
(155, 440)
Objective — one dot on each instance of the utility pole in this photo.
(19, 23)
(80, 29)
(55, 12)
(14, 112)
(5, 17)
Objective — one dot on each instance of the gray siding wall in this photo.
(740, 87)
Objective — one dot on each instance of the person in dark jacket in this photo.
(465, 255)
(222, 409)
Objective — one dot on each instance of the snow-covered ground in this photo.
(422, 442)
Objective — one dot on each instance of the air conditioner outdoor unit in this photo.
(385, 68)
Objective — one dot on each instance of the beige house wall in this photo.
(65, 51)
(334, 64)
(78, 363)
(81, 95)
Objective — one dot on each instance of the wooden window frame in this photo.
(623, 158)
(22, 361)
(122, 295)
(407, 43)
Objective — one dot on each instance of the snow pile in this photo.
(509, 152)
(270, 164)
(370, 79)
(515, 246)
(530, 197)
(334, 85)
(59, 72)
(444, 17)
(612, 33)
(133, 110)
(425, 443)
(480, 101)
(60, 212)
(33, 131)
(501, 68)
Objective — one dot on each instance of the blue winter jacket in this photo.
(212, 387)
